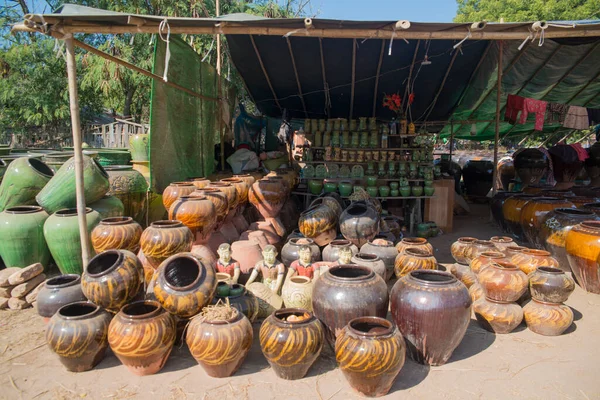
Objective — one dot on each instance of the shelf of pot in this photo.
(360, 179)
(428, 164)
(366, 148)
(378, 197)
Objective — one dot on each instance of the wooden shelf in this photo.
(429, 164)
(378, 198)
(360, 179)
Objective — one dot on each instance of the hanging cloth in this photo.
(556, 113)
(534, 106)
(514, 104)
(577, 118)
(593, 116)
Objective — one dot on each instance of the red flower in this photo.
(411, 98)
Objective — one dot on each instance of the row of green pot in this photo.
(345, 188)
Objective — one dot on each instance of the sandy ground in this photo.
(520, 365)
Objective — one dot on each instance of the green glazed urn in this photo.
(23, 180)
(429, 190)
(139, 145)
(417, 190)
(129, 186)
(345, 188)
(373, 191)
(371, 181)
(428, 183)
(113, 156)
(22, 233)
(423, 230)
(329, 186)
(315, 186)
(61, 231)
(384, 191)
(394, 193)
(394, 185)
(108, 206)
(59, 193)
(404, 191)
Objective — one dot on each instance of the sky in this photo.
(385, 10)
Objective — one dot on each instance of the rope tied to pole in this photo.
(164, 24)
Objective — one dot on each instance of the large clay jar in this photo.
(108, 206)
(555, 227)
(502, 242)
(370, 352)
(359, 223)
(22, 233)
(503, 281)
(162, 239)
(484, 259)
(474, 249)
(200, 182)
(57, 292)
(530, 166)
(22, 181)
(319, 223)
(61, 231)
(129, 186)
(289, 252)
(432, 310)
(197, 213)
(184, 284)
(458, 249)
(506, 171)
(414, 242)
(291, 345)
(239, 298)
(464, 274)
(529, 260)
(139, 146)
(268, 301)
(174, 191)
(330, 202)
(583, 251)
(249, 179)
(371, 261)
(297, 292)
(118, 233)
(230, 191)
(142, 335)
(547, 319)
(566, 165)
(268, 196)
(59, 192)
(551, 285)
(533, 213)
(413, 259)
(78, 334)
(331, 252)
(220, 346)
(497, 316)
(385, 250)
(241, 188)
(511, 210)
(346, 292)
(247, 253)
(219, 200)
(112, 279)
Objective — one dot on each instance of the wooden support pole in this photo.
(497, 137)
(353, 79)
(76, 128)
(377, 78)
(410, 71)
(220, 94)
(264, 70)
(451, 139)
(289, 44)
(325, 84)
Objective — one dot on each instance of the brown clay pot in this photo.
(534, 211)
(413, 242)
(247, 253)
(359, 223)
(289, 252)
(241, 188)
(268, 196)
(319, 223)
(511, 209)
(503, 281)
(332, 250)
(551, 285)
(57, 292)
(484, 259)
(497, 316)
(231, 193)
(413, 259)
(530, 259)
(547, 319)
(458, 249)
(496, 204)
(371, 261)
(583, 252)
(197, 213)
(476, 292)
(249, 179)
(199, 182)
(385, 250)
(502, 242)
(118, 233)
(474, 249)
(464, 274)
(176, 190)
(510, 251)
(162, 239)
(219, 200)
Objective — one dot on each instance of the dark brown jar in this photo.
(57, 292)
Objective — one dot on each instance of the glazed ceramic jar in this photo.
(432, 310)
(200, 182)
(413, 242)
(230, 191)
(412, 259)
(239, 297)
(174, 191)
(289, 252)
(241, 188)
(297, 292)
(139, 146)
(529, 260)
(554, 229)
(359, 223)
(112, 279)
(291, 345)
(22, 181)
(511, 210)
(370, 352)
(331, 252)
(385, 250)
(497, 316)
(464, 274)
(547, 319)
(22, 233)
(503, 281)
(57, 292)
(78, 334)
(370, 261)
(219, 201)
(530, 166)
(510, 251)
(566, 165)
(163, 239)
(534, 211)
(249, 179)
(184, 284)
(268, 196)
(142, 335)
(496, 204)
(583, 251)
(346, 292)
(330, 202)
(458, 249)
(117, 233)
(550, 285)
(319, 223)
(502, 242)
(484, 259)
(197, 213)
(220, 346)
(129, 186)
(108, 206)
(476, 292)
(475, 249)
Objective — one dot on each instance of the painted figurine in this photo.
(226, 264)
(344, 256)
(304, 266)
(272, 271)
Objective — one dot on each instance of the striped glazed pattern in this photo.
(413, 242)
(474, 249)
(176, 190)
(497, 317)
(230, 191)
(413, 259)
(291, 347)
(268, 197)
(241, 188)
(197, 213)
(529, 260)
(220, 347)
(503, 281)
(219, 200)
(458, 249)
(317, 220)
(119, 233)
(484, 259)
(142, 335)
(162, 239)
(550, 284)
(547, 319)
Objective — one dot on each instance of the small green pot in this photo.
(223, 289)
(423, 230)
(315, 186)
(373, 191)
(384, 191)
(139, 146)
(404, 191)
(394, 185)
(428, 183)
(345, 188)
(371, 181)
(109, 206)
(417, 190)
(329, 187)
(429, 190)
(236, 289)
(394, 193)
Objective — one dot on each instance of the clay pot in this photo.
(346, 292)
(331, 253)
(289, 252)
(506, 171)
(197, 213)
(484, 259)
(142, 335)
(371, 261)
(496, 204)
(432, 310)
(529, 260)
(297, 292)
(511, 210)
(370, 352)
(219, 201)
(319, 223)
(268, 196)
(458, 249)
(566, 165)
(497, 316)
(78, 334)
(129, 186)
(230, 191)
(174, 191)
(291, 347)
(108, 206)
(247, 253)
(385, 250)
(57, 292)
(392, 224)
(239, 298)
(413, 242)
(117, 233)
(502, 242)
(200, 182)
(475, 249)
(22, 233)
(530, 166)
(510, 251)
(413, 259)
(476, 292)
(550, 285)
(330, 202)
(220, 346)
(249, 179)
(554, 229)
(112, 279)
(547, 319)
(162, 239)
(267, 300)
(533, 213)
(22, 181)
(359, 223)
(583, 251)
(184, 284)
(205, 253)
(503, 281)
(464, 274)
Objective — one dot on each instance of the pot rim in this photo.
(497, 301)
(300, 280)
(118, 168)
(294, 241)
(467, 239)
(210, 190)
(235, 296)
(367, 257)
(388, 243)
(197, 178)
(517, 248)
(72, 280)
(387, 325)
(105, 271)
(292, 310)
(221, 184)
(41, 168)
(417, 252)
(366, 273)
(592, 205)
(492, 254)
(574, 212)
(548, 303)
(591, 224)
(166, 224)
(192, 198)
(447, 278)
(551, 270)
(414, 241)
(340, 243)
(92, 310)
(504, 265)
(181, 184)
(153, 313)
(23, 209)
(70, 212)
(501, 239)
(229, 180)
(537, 252)
(356, 209)
(195, 260)
(116, 221)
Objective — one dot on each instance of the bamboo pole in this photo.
(219, 93)
(289, 44)
(410, 71)
(76, 128)
(451, 139)
(264, 70)
(496, 138)
(377, 77)
(325, 84)
(353, 79)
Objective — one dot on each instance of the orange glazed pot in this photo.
(319, 223)
(412, 259)
(474, 249)
(241, 188)
(249, 179)
(231, 193)
(534, 211)
(197, 213)
(199, 182)
(458, 249)
(511, 209)
(583, 252)
(530, 259)
(268, 196)
(414, 242)
(176, 190)
(484, 259)
(117, 233)
(162, 239)
(219, 200)
(502, 242)
(503, 281)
